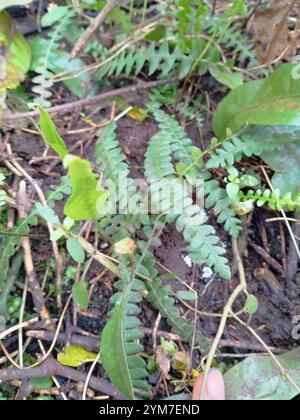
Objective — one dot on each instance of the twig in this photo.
(293, 239)
(43, 200)
(37, 294)
(242, 287)
(91, 101)
(16, 327)
(97, 22)
(88, 378)
(271, 261)
(52, 368)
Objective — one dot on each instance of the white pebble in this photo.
(187, 259)
(207, 273)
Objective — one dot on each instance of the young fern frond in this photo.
(191, 220)
(217, 198)
(249, 143)
(43, 81)
(272, 199)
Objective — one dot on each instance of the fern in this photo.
(232, 38)
(127, 298)
(272, 199)
(9, 243)
(112, 161)
(157, 59)
(250, 143)
(43, 80)
(202, 241)
(217, 198)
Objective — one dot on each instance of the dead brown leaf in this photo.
(272, 35)
(162, 361)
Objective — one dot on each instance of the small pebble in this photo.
(207, 273)
(187, 259)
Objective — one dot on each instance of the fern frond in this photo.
(9, 242)
(131, 332)
(254, 141)
(43, 81)
(217, 198)
(272, 199)
(156, 59)
(180, 144)
(171, 194)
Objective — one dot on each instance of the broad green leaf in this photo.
(75, 250)
(285, 159)
(16, 58)
(259, 378)
(113, 354)
(273, 101)
(252, 304)
(286, 165)
(76, 356)
(42, 383)
(87, 200)
(80, 295)
(50, 134)
(225, 76)
(8, 3)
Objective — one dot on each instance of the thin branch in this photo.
(92, 29)
(102, 97)
(52, 368)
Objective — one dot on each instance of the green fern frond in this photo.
(180, 144)
(272, 199)
(43, 81)
(132, 333)
(254, 141)
(9, 241)
(217, 198)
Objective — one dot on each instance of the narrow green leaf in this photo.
(42, 383)
(113, 354)
(225, 76)
(50, 134)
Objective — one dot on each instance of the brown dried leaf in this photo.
(272, 36)
(162, 361)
